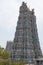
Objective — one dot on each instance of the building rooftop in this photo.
(39, 59)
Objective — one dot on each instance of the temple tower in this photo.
(26, 45)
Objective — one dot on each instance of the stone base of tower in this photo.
(38, 61)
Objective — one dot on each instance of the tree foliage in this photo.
(4, 54)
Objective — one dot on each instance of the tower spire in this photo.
(24, 8)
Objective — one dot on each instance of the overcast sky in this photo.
(9, 12)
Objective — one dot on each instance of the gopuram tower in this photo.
(26, 45)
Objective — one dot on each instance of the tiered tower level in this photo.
(26, 43)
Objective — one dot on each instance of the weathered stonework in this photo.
(26, 45)
(9, 46)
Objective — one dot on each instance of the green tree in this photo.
(4, 54)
